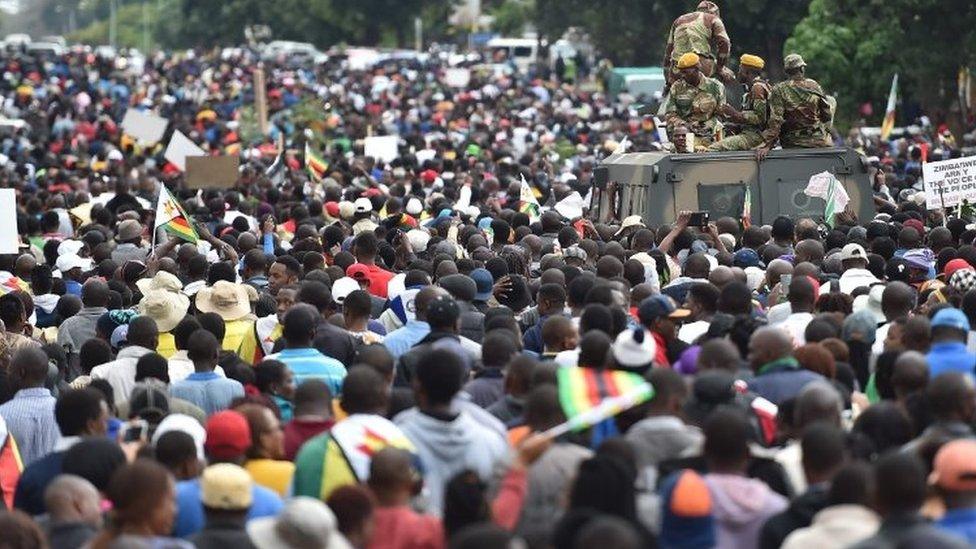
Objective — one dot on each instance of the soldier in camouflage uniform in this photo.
(702, 32)
(695, 102)
(800, 113)
(752, 118)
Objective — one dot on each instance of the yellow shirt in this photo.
(239, 336)
(273, 474)
(166, 345)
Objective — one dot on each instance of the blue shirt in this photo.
(189, 514)
(402, 339)
(30, 419)
(950, 356)
(309, 363)
(959, 522)
(208, 391)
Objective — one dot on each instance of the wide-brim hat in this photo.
(128, 230)
(165, 307)
(230, 301)
(161, 281)
(304, 522)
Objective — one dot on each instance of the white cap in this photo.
(115, 155)
(183, 423)
(70, 247)
(414, 206)
(634, 348)
(70, 261)
(343, 287)
(363, 205)
(853, 251)
(418, 239)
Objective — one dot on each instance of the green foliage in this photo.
(129, 26)
(511, 17)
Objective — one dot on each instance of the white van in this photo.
(521, 51)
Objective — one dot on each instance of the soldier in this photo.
(701, 31)
(752, 118)
(694, 102)
(799, 112)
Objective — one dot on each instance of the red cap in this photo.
(371, 192)
(957, 264)
(228, 435)
(357, 271)
(428, 176)
(332, 208)
(915, 224)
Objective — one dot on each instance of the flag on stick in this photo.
(316, 165)
(589, 396)
(888, 123)
(172, 218)
(747, 208)
(528, 203)
(826, 186)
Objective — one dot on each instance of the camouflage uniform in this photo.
(696, 32)
(755, 111)
(695, 107)
(800, 113)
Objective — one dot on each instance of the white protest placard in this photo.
(8, 231)
(145, 127)
(457, 77)
(179, 148)
(948, 182)
(381, 147)
(423, 155)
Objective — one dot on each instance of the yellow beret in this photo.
(688, 60)
(752, 61)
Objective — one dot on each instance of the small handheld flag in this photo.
(528, 203)
(317, 166)
(888, 124)
(172, 218)
(826, 186)
(747, 208)
(589, 396)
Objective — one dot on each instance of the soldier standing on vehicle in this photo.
(800, 113)
(754, 114)
(701, 32)
(695, 102)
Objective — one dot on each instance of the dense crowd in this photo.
(347, 352)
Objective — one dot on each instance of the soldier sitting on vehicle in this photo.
(751, 120)
(800, 113)
(695, 102)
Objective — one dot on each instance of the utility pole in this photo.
(145, 28)
(418, 34)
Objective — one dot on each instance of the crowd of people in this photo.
(349, 352)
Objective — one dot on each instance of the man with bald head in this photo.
(721, 275)
(23, 267)
(400, 341)
(809, 250)
(74, 511)
(779, 376)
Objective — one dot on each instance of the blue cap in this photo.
(657, 306)
(953, 318)
(746, 257)
(484, 281)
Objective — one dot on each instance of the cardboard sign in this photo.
(948, 182)
(211, 172)
(9, 238)
(145, 127)
(457, 78)
(382, 147)
(179, 148)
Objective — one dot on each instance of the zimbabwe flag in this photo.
(172, 218)
(316, 165)
(582, 390)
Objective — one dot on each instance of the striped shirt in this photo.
(30, 419)
(309, 363)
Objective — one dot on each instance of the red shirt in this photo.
(402, 528)
(297, 431)
(379, 279)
